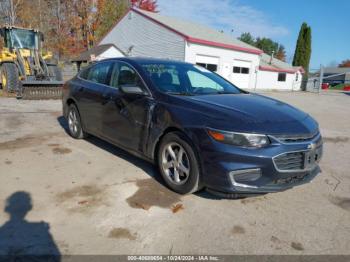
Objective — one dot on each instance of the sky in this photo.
(279, 20)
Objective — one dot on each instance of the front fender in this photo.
(166, 119)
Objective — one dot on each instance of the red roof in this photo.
(193, 39)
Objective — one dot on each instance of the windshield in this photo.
(21, 38)
(186, 79)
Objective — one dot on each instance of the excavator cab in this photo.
(24, 68)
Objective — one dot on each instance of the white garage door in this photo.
(209, 62)
(241, 73)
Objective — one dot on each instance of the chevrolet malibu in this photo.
(199, 129)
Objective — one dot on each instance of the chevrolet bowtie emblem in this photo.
(311, 146)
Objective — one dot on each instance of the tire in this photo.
(184, 182)
(55, 72)
(74, 123)
(9, 77)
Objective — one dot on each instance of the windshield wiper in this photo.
(226, 93)
(179, 93)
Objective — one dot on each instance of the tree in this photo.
(247, 38)
(8, 11)
(267, 45)
(69, 26)
(281, 53)
(302, 53)
(109, 11)
(345, 63)
(148, 5)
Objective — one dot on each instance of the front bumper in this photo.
(220, 160)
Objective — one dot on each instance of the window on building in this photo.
(282, 77)
(240, 70)
(245, 70)
(236, 70)
(297, 77)
(210, 67)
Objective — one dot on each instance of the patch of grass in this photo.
(339, 86)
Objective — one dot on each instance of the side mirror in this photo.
(132, 90)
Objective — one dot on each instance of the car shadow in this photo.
(21, 240)
(149, 168)
(146, 166)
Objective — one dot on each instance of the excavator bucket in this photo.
(40, 90)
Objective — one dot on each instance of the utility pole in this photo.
(321, 78)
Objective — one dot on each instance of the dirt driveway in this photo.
(87, 197)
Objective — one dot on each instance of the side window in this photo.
(100, 73)
(201, 81)
(84, 74)
(114, 76)
(127, 76)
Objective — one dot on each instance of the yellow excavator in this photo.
(25, 69)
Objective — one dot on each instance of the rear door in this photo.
(125, 116)
(90, 95)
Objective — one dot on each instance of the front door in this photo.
(125, 116)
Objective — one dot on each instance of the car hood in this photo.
(252, 112)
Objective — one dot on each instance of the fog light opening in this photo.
(239, 178)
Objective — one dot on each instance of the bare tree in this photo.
(8, 11)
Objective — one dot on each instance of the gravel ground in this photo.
(87, 197)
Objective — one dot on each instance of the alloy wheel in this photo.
(73, 122)
(175, 163)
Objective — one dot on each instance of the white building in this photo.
(147, 34)
(98, 53)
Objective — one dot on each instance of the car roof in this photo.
(145, 60)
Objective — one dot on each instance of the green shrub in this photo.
(338, 87)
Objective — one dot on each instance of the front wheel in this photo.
(74, 123)
(9, 77)
(178, 164)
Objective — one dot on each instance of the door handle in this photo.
(80, 89)
(107, 96)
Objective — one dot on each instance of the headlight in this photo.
(239, 139)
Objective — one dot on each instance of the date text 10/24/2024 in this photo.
(173, 258)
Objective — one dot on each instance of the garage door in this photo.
(209, 62)
(241, 73)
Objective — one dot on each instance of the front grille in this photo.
(297, 138)
(289, 180)
(290, 161)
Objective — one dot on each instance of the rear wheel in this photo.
(55, 72)
(178, 164)
(9, 77)
(74, 123)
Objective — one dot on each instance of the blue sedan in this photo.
(199, 129)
